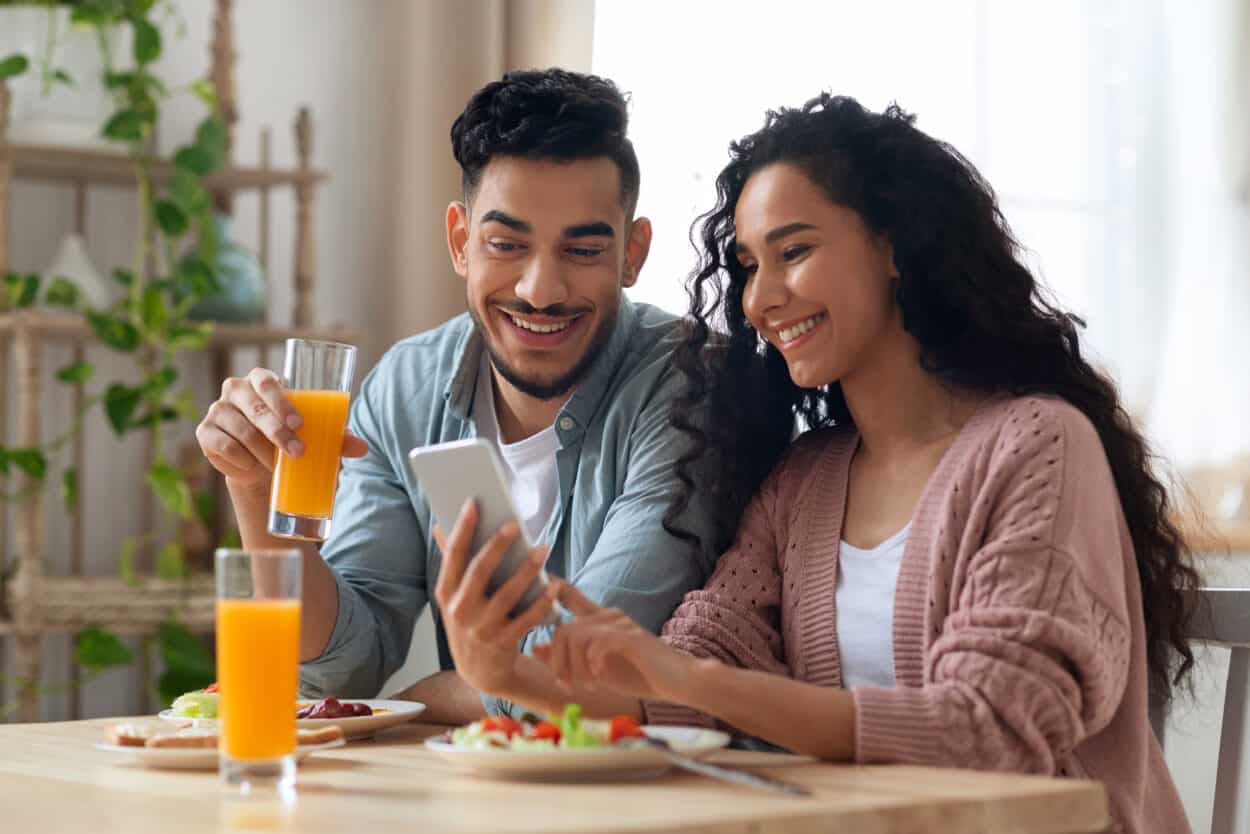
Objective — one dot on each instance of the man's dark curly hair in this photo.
(548, 114)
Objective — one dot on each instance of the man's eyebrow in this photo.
(595, 229)
(513, 223)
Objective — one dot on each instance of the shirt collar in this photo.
(588, 394)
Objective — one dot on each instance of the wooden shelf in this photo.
(71, 603)
(39, 162)
(67, 327)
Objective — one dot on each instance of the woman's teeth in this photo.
(540, 328)
(791, 333)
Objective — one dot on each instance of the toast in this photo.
(321, 735)
(133, 735)
(191, 738)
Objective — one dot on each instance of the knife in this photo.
(726, 774)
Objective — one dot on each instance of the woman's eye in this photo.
(792, 253)
(585, 251)
(749, 269)
(504, 246)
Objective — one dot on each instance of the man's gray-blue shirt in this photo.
(616, 469)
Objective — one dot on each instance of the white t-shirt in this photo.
(865, 606)
(529, 464)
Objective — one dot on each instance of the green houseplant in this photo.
(171, 270)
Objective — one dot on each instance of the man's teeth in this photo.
(540, 328)
(792, 333)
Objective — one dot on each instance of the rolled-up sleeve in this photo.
(377, 554)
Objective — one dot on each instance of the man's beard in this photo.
(561, 385)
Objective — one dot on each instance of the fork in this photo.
(726, 774)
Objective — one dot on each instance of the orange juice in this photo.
(258, 674)
(304, 486)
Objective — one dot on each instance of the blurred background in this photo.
(1116, 134)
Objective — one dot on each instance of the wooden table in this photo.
(52, 779)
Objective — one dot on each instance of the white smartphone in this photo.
(452, 472)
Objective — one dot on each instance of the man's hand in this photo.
(484, 642)
(242, 428)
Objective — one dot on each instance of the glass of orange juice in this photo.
(258, 613)
(318, 380)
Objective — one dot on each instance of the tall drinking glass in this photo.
(258, 613)
(318, 379)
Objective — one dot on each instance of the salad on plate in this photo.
(567, 732)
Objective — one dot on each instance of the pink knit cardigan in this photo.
(1018, 633)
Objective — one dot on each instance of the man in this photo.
(552, 363)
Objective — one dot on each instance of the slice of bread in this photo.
(190, 738)
(134, 735)
(321, 735)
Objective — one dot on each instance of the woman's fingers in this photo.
(575, 600)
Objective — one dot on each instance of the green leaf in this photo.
(183, 650)
(117, 333)
(231, 539)
(152, 311)
(4, 462)
(194, 159)
(76, 373)
(147, 42)
(188, 663)
(206, 92)
(206, 507)
(206, 243)
(97, 12)
(98, 649)
(159, 381)
(184, 404)
(63, 77)
(139, 8)
(13, 65)
(190, 337)
(170, 563)
(126, 126)
(195, 277)
(69, 489)
(210, 137)
(124, 277)
(118, 80)
(23, 290)
(120, 402)
(30, 461)
(186, 192)
(171, 219)
(175, 681)
(126, 563)
(171, 488)
(62, 292)
(164, 415)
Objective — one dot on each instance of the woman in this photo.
(967, 561)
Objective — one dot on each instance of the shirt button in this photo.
(566, 423)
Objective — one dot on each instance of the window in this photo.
(1053, 101)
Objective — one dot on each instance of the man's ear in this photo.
(458, 236)
(636, 249)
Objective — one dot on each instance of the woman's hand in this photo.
(604, 649)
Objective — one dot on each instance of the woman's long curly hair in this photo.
(979, 316)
